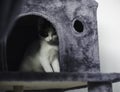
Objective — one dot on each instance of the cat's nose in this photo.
(50, 38)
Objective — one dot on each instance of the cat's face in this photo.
(49, 35)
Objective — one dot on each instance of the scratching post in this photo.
(100, 87)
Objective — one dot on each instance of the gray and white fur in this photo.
(42, 55)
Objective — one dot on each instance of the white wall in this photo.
(109, 34)
(109, 37)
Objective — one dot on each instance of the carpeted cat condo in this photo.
(76, 26)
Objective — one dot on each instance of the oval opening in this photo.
(78, 26)
(25, 32)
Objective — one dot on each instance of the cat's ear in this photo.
(40, 24)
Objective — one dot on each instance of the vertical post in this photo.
(18, 89)
(99, 87)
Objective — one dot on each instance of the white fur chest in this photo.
(47, 49)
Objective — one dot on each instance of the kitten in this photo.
(42, 55)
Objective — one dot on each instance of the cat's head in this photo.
(49, 35)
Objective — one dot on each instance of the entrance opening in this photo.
(21, 36)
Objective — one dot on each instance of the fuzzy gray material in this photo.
(78, 49)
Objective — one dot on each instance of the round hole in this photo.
(78, 26)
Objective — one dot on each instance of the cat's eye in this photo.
(54, 32)
(44, 34)
(78, 26)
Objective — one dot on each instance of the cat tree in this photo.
(76, 25)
